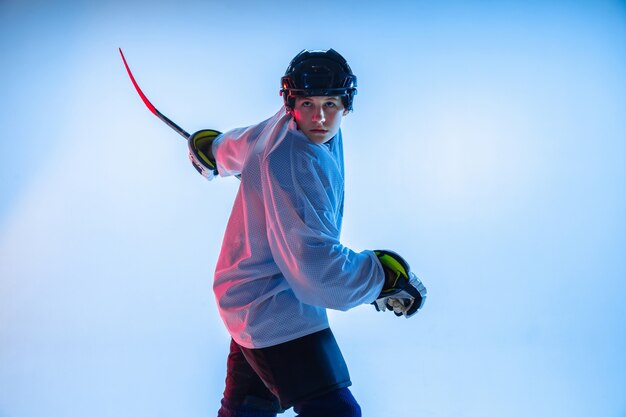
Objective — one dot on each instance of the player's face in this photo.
(319, 117)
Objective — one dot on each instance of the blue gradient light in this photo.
(487, 145)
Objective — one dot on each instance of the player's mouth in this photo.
(319, 130)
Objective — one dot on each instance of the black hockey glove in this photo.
(200, 152)
(404, 294)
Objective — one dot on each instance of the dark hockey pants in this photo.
(337, 403)
(308, 373)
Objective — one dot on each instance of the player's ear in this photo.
(345, 112)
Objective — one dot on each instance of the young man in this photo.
(282, 264)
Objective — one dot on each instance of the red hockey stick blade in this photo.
(150, 106)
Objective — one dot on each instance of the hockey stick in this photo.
(150, 106)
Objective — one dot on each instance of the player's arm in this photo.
(304, 238)
(212, 153)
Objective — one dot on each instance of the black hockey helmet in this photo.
(318, 73)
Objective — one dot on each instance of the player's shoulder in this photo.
(292, 146)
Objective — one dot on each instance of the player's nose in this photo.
(318, 115)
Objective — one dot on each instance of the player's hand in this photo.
(403, 292)
(200, 153)
(406, 302)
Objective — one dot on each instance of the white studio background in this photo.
(487, 145)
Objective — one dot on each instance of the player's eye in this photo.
(331, 104)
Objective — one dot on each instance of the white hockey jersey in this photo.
(281, 264)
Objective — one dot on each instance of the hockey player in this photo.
(282, 264)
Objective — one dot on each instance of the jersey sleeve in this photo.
(301, 196)
(231, 148)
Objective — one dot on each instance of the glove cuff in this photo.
(396, 266)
